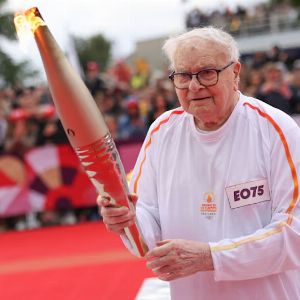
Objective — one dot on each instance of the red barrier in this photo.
(50, 177)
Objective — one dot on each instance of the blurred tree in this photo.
(6, 21)
(96, 48)
(11, 73)
(295, 3)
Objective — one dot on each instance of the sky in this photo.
(123, 22)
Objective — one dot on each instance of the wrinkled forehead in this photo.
(199, 53)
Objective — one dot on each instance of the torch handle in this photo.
(102, 164)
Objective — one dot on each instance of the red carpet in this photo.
(82, 262)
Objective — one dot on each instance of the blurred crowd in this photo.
(273, 77)
(131, 100)
(264, 17)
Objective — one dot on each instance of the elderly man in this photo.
(217, 183)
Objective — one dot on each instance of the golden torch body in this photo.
(84, 124)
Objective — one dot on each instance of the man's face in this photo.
(210, 106)
(274, 75)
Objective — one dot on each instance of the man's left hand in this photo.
(173, 259)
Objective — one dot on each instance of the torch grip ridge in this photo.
(102, 163)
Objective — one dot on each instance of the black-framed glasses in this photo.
(205, 77)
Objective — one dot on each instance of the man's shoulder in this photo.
(256, 110)
(169, 118)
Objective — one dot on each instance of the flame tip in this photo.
(28, 20)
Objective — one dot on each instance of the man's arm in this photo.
(274, 248)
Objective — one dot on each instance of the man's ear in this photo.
(237, 69)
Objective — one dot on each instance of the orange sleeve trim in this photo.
(233, 245)
(287, 153)
(155, 129)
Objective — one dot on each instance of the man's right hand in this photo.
(115, 218)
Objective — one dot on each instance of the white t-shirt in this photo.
(235, 188)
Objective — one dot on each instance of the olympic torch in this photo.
(83, 122)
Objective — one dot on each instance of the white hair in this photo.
(209, 33)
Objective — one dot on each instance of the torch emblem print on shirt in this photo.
(208, 208)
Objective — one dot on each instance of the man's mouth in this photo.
(201, 99)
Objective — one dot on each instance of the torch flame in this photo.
(34, 18)
(20, 22)
(23, 30)
(27, 21)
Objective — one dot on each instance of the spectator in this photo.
(254, 82)
(131, 125)
(194, 18)
(92, 78)
(275, 90)
(23, 125)
(295, 87)
(51, 131)
(112, 125)
(4, 109)
(259, 59)
(159, 105)
(274, 54)
(108, 104)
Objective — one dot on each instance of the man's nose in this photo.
(195, 85)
